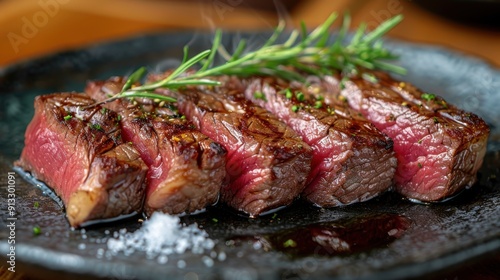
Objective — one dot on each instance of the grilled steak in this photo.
(438, 146)
(186, 168)
(79, 153)
(352, 160)
(267, 162)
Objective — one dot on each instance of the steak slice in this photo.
(79, 153)
(352, 160)
(438, 146)
(186, 168)
(267, 162)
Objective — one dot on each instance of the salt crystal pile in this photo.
(160, 236)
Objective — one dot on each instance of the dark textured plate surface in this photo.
(440, 236)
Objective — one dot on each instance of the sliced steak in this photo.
(438, 146)
(79, 153)
(352, 160)
(267, 162)
(186, 168)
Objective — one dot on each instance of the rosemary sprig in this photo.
(308, 52)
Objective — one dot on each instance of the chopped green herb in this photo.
(343, 81)
(104, 110)
(37, 230)
(428, 96)
(436, 120)
(442, 103)
(288, 94)
(259, 95)
(370, 78)
(295, 108)
(36, 204)
(119, 118)
(67, 117)
(289, 243)
(300, 96)
(419, 165)
(215, 220)
(274, 216)
(96, 126)
(318, 104)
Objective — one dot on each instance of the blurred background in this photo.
(31, 28)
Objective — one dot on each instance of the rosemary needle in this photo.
(308, 52)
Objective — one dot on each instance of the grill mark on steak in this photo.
(352, 160)
(186, 168)
(438, 146)
(80, 155)
(267, 162)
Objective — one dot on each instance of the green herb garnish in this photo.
(370, 78)
(289, 243)
(67, 117)
(300, 96)
(317, 52)
(318, 104)
(428, 96)
(37, 230)
(36, 204)
(259, 95)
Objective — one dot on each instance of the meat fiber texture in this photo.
(439, 147)
(352, 160)
(267, 162)
(79, 153)
(186, 168)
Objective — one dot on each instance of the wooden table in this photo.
(29, 29)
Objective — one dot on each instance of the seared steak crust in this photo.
(79, 153)
(267, 162)
(186, 168)
(438, 146)
(352, 160)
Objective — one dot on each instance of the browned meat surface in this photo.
(79, 153)
(438, 146)
(186, 168)
(267, 162)
(352, 160)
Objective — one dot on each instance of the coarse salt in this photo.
(160, 236)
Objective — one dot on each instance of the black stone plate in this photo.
(440, 236)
